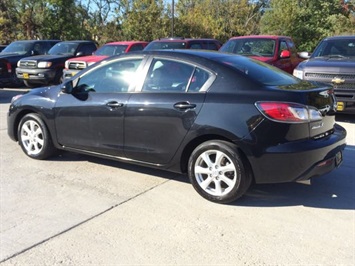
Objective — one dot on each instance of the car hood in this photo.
(48, 57)
(330, 64)
(9, 55)
(89, 58)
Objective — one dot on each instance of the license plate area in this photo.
(25, 75)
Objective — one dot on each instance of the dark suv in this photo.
(16, 51)
(182, 43)
(333, 62)
(48, 69)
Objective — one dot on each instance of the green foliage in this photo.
(307, 21)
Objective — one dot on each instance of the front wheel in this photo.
(34, 137)
(218, 172)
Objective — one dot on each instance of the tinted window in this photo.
(168, 76)
(117, 76)
(87, 48)
(63, 48)
(18, 47)
(245, 46)
(261, 72)
(136, 47)
(109, 50)
(165, 45)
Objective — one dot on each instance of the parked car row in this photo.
(65, 60)
(36, 63)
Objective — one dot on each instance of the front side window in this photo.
(114, 77)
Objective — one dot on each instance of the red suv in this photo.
(182, 43)
(74, 65)
(279, 51)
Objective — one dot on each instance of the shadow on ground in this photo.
(335, 190)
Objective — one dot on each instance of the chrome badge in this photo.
(338, 80)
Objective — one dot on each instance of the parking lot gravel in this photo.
(79, 210)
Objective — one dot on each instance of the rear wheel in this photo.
(217, 171)
(34, 137)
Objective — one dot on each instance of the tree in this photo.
(145, 20)
(307, 21)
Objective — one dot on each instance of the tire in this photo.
(34, 137)
(28, 84)
(218, 173)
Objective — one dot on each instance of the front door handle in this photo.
(114, 104)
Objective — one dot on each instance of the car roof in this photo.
(182, 54)
(340, 37)
(260, 37)
(124, 42)
(182, 39)
(38, 41)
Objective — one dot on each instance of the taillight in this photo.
(288, 112)
(9, 68)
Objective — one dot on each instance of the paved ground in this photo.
(78, 210)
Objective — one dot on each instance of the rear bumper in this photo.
(300, 160)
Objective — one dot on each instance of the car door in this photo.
(158, 118)
(91, 117)
(284, 63)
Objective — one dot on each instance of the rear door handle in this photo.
(184, 105)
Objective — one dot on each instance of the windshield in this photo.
(18, 48)
(250, 46)
(335, 48)
(111, 50)
(63, 48)
(259, 71)
(165, 45)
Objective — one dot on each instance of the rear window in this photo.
(258, 71)
(165, 45)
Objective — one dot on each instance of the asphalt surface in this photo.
(79, 210)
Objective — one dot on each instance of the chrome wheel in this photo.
(216, 173)
(32, 137)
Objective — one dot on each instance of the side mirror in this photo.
(285, 54)
(304, 55)
(67, 87)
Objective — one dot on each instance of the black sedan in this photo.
(225, 120)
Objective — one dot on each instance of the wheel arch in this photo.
(185, 155)
(25, 112)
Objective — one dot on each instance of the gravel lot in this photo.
(79, 210)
